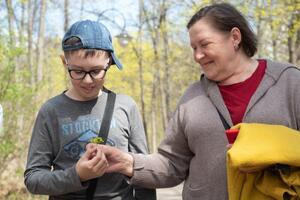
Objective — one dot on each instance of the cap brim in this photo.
(115, 61)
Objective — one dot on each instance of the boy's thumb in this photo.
(88, 154)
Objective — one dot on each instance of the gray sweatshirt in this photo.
(62, 129)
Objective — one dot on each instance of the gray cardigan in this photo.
(194, 148)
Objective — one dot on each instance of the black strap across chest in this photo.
(103, 132)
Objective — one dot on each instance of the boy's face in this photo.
(86, 86)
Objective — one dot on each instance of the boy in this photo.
(57, 163)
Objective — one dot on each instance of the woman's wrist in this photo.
(128, 171)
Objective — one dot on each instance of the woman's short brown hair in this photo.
(224, 17)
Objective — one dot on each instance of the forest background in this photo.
(158, 60)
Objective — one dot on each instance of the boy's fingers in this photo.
(101, 165)
(89, 153)
(98, 157)
(90, 146)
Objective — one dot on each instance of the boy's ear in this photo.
(63, 60)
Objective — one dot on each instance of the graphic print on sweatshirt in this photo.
(85, 129)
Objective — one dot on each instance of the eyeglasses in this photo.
(77, 74)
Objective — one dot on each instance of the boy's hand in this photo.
(92, 163)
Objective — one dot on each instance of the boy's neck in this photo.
(73, 95)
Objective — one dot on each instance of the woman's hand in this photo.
(118, 161)
(228, 146)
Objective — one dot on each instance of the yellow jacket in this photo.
(259, 146)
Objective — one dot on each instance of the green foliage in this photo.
(7, 71)
(127, 80)
(6, 147)
(15, 195)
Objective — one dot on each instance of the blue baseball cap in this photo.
(93, 35)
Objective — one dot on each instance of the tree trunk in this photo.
(155, 74)
(66, 15)
(297, 47)
(22, 27)
(153, 116)
(139, 55)
(274, 41)
(166, 79)
(30, 42)
(10, 68)
(259, 32)
(40, 46)
(66, 26)
(81, 9)
(153, 31)
(294, 40)
(290, 49)
(160, 81)
(10, 20)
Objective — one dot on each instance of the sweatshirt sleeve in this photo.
(297, 98)
(138, 144)
(39, 176)
(169, 166)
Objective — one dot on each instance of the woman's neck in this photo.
(244, 68)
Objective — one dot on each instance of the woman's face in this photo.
(214, 50)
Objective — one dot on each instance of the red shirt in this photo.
(238, 95)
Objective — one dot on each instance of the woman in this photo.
(241, 88)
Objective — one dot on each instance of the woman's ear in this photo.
(236, 37)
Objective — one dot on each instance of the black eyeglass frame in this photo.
(87, 72)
